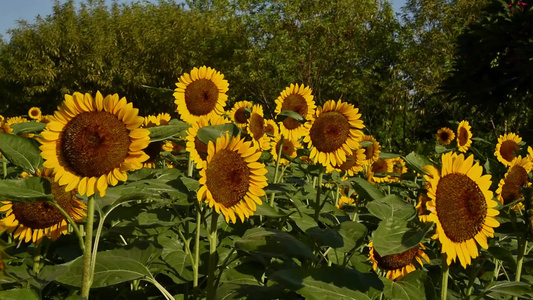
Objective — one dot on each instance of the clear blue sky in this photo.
(13, 10)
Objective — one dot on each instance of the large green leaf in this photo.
(18, 294)
(26, 190)
(28, 127)
(410, 287)
(385, 155)
(391, 207)
(503, 254)
(352, 233)
(366, 189)
(393, 236)
(290, 114)
(272, 242)
(212, 133)
(21, 151)
(507, 288)
(161, 133)
(417, 162)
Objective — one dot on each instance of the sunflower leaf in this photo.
(391, 207)
(417, 162)
(366, 189)
(290, 114)
(410, 287)
(17, 294)
(28, 127)
(29, 189)
(21, 151)
(273, 242)
(212, 133)
(394, 236)
(385, 155)
(161, 133)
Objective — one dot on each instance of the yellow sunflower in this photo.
(196, 148)
(6, 126)
(516, 177)
(154, 148)
(445, 136)
(353, 164)
(238, 113)
(31, 221)
(335, 133)
(201, 93)
(461, 206)
(232, 180)
(92, 142)
(398, 265)
(289, 148)
(256, 128)
(346, 199)
(464, 136)
(421, 207)
(398, 167)
(35, 113)
(157, 120)
(382, 167)
(271, 128)
(298, 99)
(372, 151)
(506, 147)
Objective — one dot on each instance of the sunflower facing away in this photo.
(398, 265)
(35, 113)
(288, 148)
(506, 147)
(335, 133)
(257, 128)
(31, 221)
(464, 136)
(516, 177)
(196, 148)
(238, 113)
(445, 136)
(372, 151)
(298, 99)
(461, 206)
(92, 142)
(232, 180)
(201, 93)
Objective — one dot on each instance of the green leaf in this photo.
(366, 189)
(212, 133)
(417, 162)
(266, 210)
(410, 287)
(391, 207)
(26, 190)
(503, 255)
(326, 236)
(165, 132)
(384, 155)
(290, 114)
(508, 288)
(365, 144)
(158, 90)
(393, 236)
(18, 294)
(352, 233)
(441, 149)
(180, 265)
(330, 283)
(28, 127)
(272, 242)
(21, 151)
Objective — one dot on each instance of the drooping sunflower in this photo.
(92, 142)
(371, 151)
(398, 168)
(354, 163)
(196, 148)
(516, 177)
(31, 221)
(335, 133)
(506, 147)
(238, 113)
(464, 136)
(398, 265)
(288, 148)
(381, 167)
(461, 206)
(35, 113)
(256, 128)
(445, 136)
(201, 93)
(298, 99)
(232, 180)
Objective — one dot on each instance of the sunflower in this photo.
(31, 221)
(464, 136)
(92, 142)
(298, 99)
(398, 168)
(398, 265)
(506, 147)
(35, 113)
(196, 148)
(371, 151)
(516, 177)
(335, 133)
(154, 148)
(445, 136)
(238, 113)
(256, 128)
(380, 166)
(461, 206)
(353, 164)
(346, 199)
(157, 120)
(289, 148)
(201, 93)
(271, 128)
(421, 207)
(6, 125)
(232, 180)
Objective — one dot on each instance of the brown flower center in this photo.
(34, 113)
(507, 150)
(369, 152)
(240, 116)
(257, 126)
(463, 136)
(351, 160)
(297, 104)
(516, 178)
(396, 261)
(94, 143)
(380, 166)
(461, 207)
(228, 177)
(201, 96)
(287, 149)
(153, 151)
(269, 128)
(201, 148)
(330, 131)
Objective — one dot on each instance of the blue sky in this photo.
(13, 10)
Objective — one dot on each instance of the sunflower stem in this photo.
(4, 166)
(273, 195)
(72, 223)
(196, 261)
(445, 275)
(37, 258)
(190, 167)
(520, 260)
(86, 276)
(318, 192)
(212, 256)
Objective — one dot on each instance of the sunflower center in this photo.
(201, 148)
(270, 129)
(516, 178)
(95, 143)
(240, 116)
(287, 148)
(369, 152)
(396, 261)
(153, 151)
(507, 150)
(463, 136)
(330, 131)
(351, 160)
(461, 207)
(444, 136)
(295, 103)
(380, 166)
(201, 96)
(228, 177)
(34, 113)
(40, 215)
(256, 126)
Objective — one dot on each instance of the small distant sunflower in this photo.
(354, 163)
(6, 126)
(335, 133)
(154, 148)
(461, 206)
(530, 153)
(298, 99)
(398, 167)
(92, 142)
(464, 136)
(421, 208)
(372, 151)
(382, 167)
(44, 119)
(398, 265)
(31, 221)
(157, 120)
(516, 177)
(289, 148)
(202, 93)
(238, 113)
(271, 128)
(256, 128)
(346, 199)
(232, 180)
(196, 148)
(35, 113)
(506, 147)
(445, 136)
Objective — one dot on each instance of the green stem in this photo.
(196, 261)
(520, 260)
(318, 192)
(86, 276)
(37, 258)
(4, 166)
(72, 223)
(190, 167)
(212, 256)
(279, 159)
(445, 275)
(162, 289)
